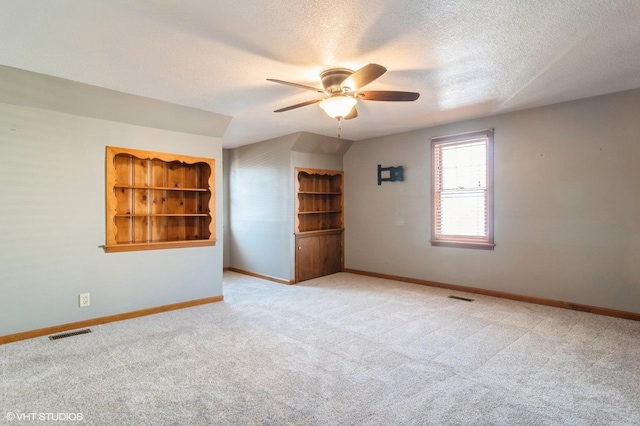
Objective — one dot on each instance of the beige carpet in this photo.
(339, 350)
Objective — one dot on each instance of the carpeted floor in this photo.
(339, 350)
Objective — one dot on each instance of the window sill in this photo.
(463, 244)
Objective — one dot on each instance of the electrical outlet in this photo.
(84, 300)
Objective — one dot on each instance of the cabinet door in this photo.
(318, 255)
(332, 253)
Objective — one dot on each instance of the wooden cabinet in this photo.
(319, 222)
(158, 200)
(318, 255)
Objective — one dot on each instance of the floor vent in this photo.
(69, 334)
(461, 298)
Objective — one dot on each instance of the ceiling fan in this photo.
(341, 91)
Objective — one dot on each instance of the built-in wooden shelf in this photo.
(319, 222)
(319, 200)
(157, 200)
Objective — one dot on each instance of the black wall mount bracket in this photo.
(390, 174)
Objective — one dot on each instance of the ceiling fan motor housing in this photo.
(333, 78)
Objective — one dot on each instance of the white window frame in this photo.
(463, 241)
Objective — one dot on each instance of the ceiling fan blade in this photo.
(352, 114)
(314, 101)
(299, 86)
(386, 95)
(364, 76)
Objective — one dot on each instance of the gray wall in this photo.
(52, 223)
(260, 195)
(226, 252)
(567, 205)
(261, 185)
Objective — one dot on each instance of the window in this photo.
(462, 190)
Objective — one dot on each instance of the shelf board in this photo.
(163, 215)
(319, 231)
(154, 245)
(161, 188)
(319, 193)
(321, 212)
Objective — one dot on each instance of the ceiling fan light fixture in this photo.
(338, 106)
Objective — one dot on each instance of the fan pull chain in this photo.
(339, 127)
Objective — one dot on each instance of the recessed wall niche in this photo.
(158, 200)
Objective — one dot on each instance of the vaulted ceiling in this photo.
(466, 59)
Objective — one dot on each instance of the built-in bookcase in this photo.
(318, 200)
(319, 222)
(157, 200)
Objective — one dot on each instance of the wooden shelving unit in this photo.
(157, 200)
(319, 222)
(319, 200)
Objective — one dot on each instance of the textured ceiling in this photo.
(467, 59)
